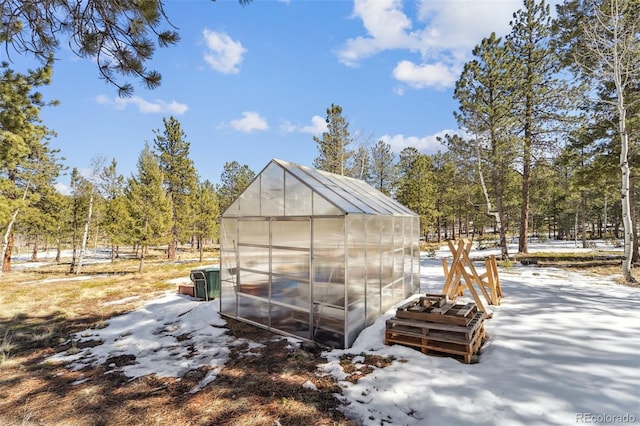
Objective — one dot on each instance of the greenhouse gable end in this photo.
(315, 255)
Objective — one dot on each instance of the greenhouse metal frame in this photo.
(315, 255)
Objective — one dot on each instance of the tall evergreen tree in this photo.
(542, 96)
(180, 177)
(206, 214)
(25, 157)
(234, 179)
(415, 185)
(334, 153)
(485, 91)
(383, 170)
(148, 204)
(115, 221)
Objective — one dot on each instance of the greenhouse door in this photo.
(290, 297)
(329, 281)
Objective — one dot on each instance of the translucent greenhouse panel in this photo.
(386, 296)
(289, 291)
(328, 325)
(228, 228)
(328, 237)
(322, 207)
(228, 299)
(291, 320)
(291, 233)
(328, 285)
(368, 195)
(228, 236)
(355, 321)
(254, 232)
(293, 263)
(386, 249)
(233, 210)
(356, 275)
(356, 257)
(416, 256)
(298, 197)
(411, 236)
(272, 187)
(252, 309)
(254, 258)
(254, 284)
(408, 270)
(249, 200)
(373, 268)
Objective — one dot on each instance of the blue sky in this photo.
(252, 83)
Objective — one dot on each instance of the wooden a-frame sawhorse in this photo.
(462, 274)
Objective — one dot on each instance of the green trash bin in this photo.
(206, 282)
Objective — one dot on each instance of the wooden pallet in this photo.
(466, 352)
(444, 311)
(436, 325)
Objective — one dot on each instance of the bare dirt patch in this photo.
(262, 387)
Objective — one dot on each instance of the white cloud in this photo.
(156, 107)
(387, 28)
(436, 75)
(425, 144)
(438, 43)
(62, 188)
(223, 53)
(318, 126)
(249, 122)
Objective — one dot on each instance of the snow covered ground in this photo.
(563, 348)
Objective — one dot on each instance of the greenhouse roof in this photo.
(347, 195)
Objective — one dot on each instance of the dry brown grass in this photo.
(37, 319)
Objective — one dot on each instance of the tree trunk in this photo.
(200, 239)
(34, 252)
(6, 263)
(85, 234)
(498, 214)
(635, 256)
(625, 185)
(141, 265)
(583, 220)
(525, 206)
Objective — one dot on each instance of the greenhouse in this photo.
(315, 255)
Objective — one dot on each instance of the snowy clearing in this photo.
(563, 348)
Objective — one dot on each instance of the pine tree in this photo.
(485, 91)
(383, 170)
(333, 149)
(148, 204)
(234, 179)
(415, 185)
(206, 214)
(25, 158)
(542, 97)
(180, 177)
(115, 221)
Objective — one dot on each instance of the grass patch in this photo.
(40, 311)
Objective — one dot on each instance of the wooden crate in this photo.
(440, 345)
(448, 312)
(436, 325)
